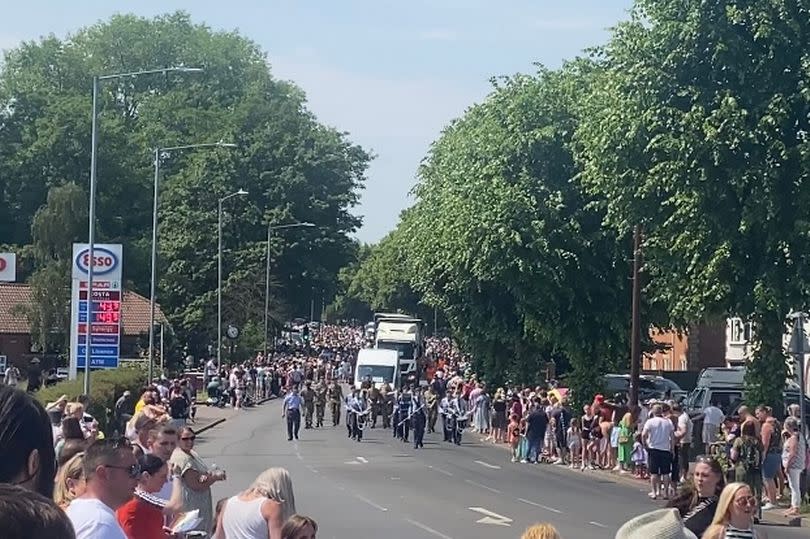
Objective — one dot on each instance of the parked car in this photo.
(650, 387)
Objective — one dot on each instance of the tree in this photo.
(697, 130)
(295, 168)
(505, 242)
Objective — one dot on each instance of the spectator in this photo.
(26, 442)
(142, 516)
(697, 500)
(659, 524)
(12, 376)
(260, 511)
(162, 444)
(712, 417)
(28, 515)
(658, 434)
(772, 447)
(793, 457)
(541, 531)
(70, 483)
(299, 527)
(111, 473)
(735, 514)
(34, 376)
(196, 478)
(71, 432)
(747, 455)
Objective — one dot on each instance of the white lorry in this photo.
(405, 335)
(377, 366)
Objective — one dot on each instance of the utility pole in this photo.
(635, 328)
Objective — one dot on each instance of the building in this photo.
(15, 331)
(701, 346)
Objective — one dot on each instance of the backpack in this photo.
(750, 457)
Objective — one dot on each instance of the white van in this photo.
(381, 365)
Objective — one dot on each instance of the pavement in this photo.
(441, 491)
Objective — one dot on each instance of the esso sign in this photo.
(104, 261)
(8, 267)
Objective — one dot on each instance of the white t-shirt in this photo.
(92, 519)
(685, 425)
(660, 432)
(713, 415)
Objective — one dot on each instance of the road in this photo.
(439, 492)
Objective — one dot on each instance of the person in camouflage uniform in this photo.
(320, 403)
(335, 396)
(308, 396)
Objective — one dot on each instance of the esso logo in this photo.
(104, 261)
(3, 263)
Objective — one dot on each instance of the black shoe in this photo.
(296, 436)
(289, 439)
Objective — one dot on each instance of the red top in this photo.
(141, 519)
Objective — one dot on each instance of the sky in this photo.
(391, 74)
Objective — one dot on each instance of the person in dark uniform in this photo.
(349, 411)
(386, 405)
(419, 420)
(359, 408)
(405, 406)
(375, 402)
(291, 409)
(320, 403)
(335, 396)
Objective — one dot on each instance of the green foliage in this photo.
(106, 387)
(294, 168)
(697, 129)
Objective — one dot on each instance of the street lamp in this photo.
(91, 239)
(155, 200)
(797, 347)
(240, 192)
(270, 228)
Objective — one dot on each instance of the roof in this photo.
(134, 310)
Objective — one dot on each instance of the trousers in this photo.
(293, 423)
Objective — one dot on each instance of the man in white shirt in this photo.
(162, 444)
(658, 434)
(11, 376)
(713, 417)
(111, 472)
(683, 436)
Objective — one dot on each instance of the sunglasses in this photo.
(188, 438)
(133, 470)
(747, 500)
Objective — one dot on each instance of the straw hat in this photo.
(660, 524)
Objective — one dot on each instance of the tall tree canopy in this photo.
(294, 168)
(697, 129)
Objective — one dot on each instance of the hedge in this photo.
(105, 388)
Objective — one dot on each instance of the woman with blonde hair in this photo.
(70, 483)
(541, 531)
(260, 511)
(735, 514)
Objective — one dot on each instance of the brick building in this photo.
(15, 331)
(701, 346)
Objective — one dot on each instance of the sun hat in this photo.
(659, 524)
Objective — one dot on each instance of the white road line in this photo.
(363, 460)
(540, 505)
(311, 469)
(372, 504)
(487, 465)
(597, 524)
(445, 472)
(427, 529)
(496, 491)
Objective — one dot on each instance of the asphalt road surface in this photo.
(439, 492)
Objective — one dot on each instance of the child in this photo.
(550, 452)
(574, 441)
(523, 448)
(513, 433)
(639, 457)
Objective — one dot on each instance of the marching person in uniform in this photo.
(335, 395)
(418, 420)
(444, 410)
(320, 403)
(386, 405)
(308, 396)
(291, 409)
(396, 422)
(349, 401)
(458, 409)
(405, 406)
(359, 408)
(432, 408)
(375, 402)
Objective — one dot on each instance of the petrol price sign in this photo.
(100, 307)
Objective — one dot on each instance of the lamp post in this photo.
(240, 192)
(91, 235)
(267, 275)
(155, 201)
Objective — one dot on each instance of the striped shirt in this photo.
(736, 533)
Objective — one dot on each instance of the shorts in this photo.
(710, 433)
(660, 462)
(614, 438)
(771, 465)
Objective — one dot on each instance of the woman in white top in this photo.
(260, 511)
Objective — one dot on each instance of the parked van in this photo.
(381, 365)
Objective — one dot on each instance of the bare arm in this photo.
(197, 481)
(220, 533)
(271, 511)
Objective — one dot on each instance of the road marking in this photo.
(363, 460)
(496, 491)
(395, 479)
(491, 518)
(372, 504)
(352, 462)
(598, 525)
(427, 529)
(445, 472)
(311, 469)
(487, 465)
(540, 505)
